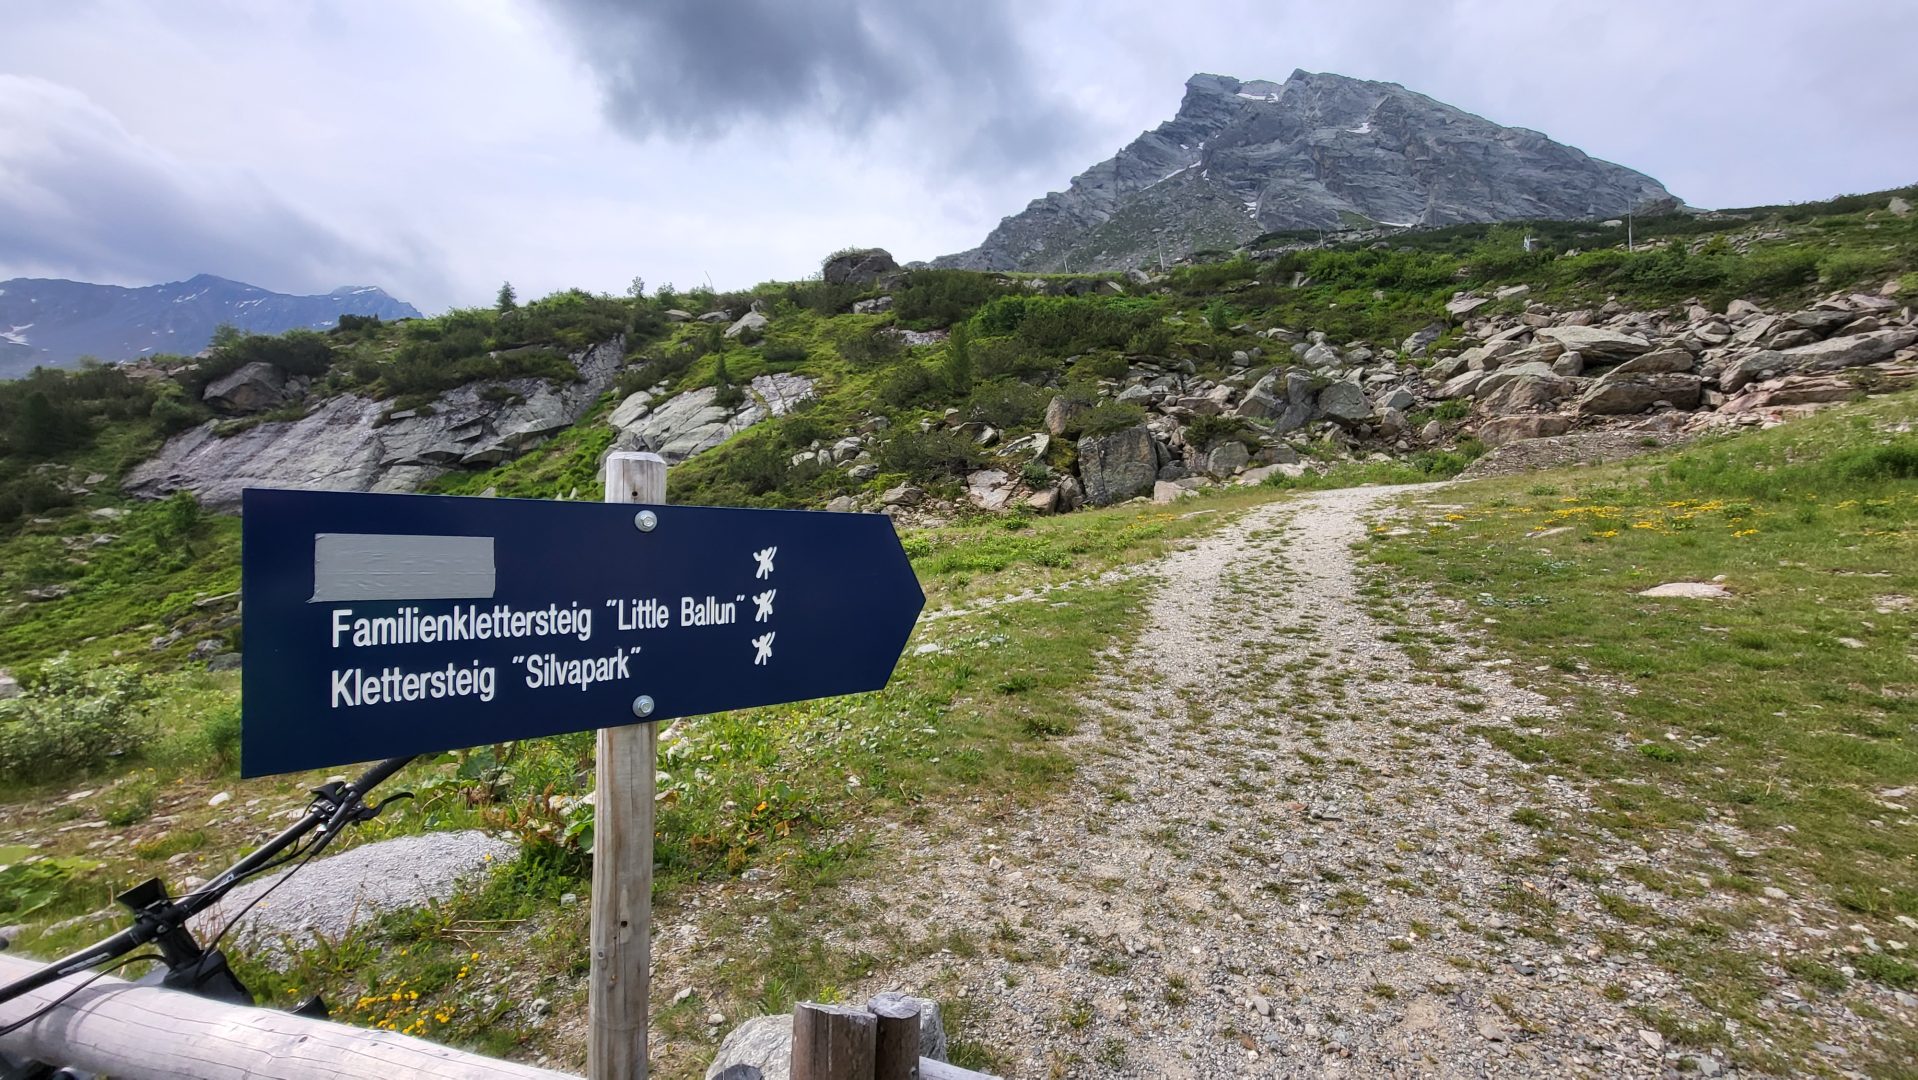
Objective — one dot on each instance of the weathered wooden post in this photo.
(622, 916)
(833, 1042)
(896, 1052)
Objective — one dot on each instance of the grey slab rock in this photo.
(693, 422)
(1344, 401)
(763, 1042)
(990, 489)
(1500, 430)
(1529, 393)
(1226, 458)
(250, 388)
(628, 412)
(1400, 399)
(1118, 466)
(1596, 344)
(1465, 384)
(1843, 352)
(1495, 379)
(1656, 362)
(751, 324)
(355, 887)
(1634, 393)
(343, 446)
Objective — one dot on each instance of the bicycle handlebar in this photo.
(333, 807)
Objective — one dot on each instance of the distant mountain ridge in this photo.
(55, 322)
(1318, 151)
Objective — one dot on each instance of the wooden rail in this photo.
(146, 1033)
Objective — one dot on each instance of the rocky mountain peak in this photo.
(1317, 151)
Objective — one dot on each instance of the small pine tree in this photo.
(959, 360)
(506, 302)
(725, 394)
(637, 290)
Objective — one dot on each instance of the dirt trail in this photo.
(1286, 854)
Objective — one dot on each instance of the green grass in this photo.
(1787, 710)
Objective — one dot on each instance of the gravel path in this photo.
(1285, 854)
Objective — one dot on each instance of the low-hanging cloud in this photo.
(82, 196)
(700, 68)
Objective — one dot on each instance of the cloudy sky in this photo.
(438, 147)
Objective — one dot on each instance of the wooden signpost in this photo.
(625, 773)
(390, 625)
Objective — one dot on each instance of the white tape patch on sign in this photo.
(382, 566)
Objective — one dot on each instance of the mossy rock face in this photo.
(1117, 466)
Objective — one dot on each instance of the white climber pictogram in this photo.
(763, 643)
(765, 557)
(765, 602)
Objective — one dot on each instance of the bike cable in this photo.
(314, 848)
(84, 983)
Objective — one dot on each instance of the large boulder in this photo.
(1118, 466)
(1753, 367)
(1464, 384)
(1263, 402)
(1528, 393)
(252, 388)
(1634, 393)
(1064, 414)
(990, 489)
(1596, 344)
(1500, 430)
(1320, 355)
(1301, 401)
(1493, 380)
(751, 326)
(1345, 402)
(1844, 352)
(1226, 458)
(859, 266)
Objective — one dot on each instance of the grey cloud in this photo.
(700, 68)
(81, 196)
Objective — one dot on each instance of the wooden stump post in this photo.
(896, 1053)
(622, 914)
(833, 1042)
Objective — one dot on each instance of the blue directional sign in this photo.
(382, 625)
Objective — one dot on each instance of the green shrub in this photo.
(1110, 416)
(872, 348)
(933, 299)
(71, 717)
(930, 455)
(911, 384)
(1851, 265)
(1203, 431)
(1007, 404)
(783, 353)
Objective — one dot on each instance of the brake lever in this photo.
(368, 813)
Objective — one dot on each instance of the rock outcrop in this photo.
(352, 443)
(694, 421)
(1318, 151)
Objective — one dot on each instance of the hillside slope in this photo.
(1318, 151)
(56, 322)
